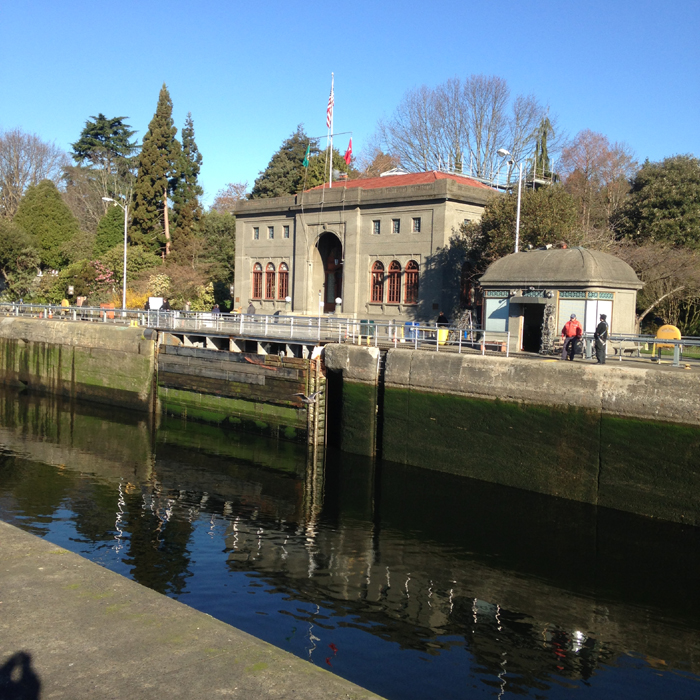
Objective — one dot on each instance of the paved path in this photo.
(81, 631)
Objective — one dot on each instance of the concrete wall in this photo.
(98, 362)
(587, 433)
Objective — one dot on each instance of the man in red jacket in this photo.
(570, 334)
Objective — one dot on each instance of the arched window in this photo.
(282, 281)
(411, 287)
(270, 281)
(257, 281)
(394, 295)
(377, 282)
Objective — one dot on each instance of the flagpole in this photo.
(330, 169)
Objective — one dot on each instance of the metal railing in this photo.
(326, 329)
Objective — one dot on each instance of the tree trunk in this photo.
(166, 223)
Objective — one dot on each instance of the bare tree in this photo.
(461, 125)
(25, 160)
(226, 198)
(597, 173)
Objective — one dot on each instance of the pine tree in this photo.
(157, 175)
(105, 144)
(285, 173)
(45, 217)
(187, 210)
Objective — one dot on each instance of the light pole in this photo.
(502, 152)
(125, 208)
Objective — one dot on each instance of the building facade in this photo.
(533, 293)
(371, 243)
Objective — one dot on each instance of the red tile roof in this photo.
(373, 183)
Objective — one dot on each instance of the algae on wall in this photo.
(642, 467)
(99, 362)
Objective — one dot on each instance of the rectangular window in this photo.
(285, 231)
(376, 227)
(396, 225)
(416, 224)
(256, 233)
(270, 232)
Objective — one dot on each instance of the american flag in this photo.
(329, 109)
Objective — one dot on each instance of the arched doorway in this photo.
(331, 252)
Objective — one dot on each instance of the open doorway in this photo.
(331, 252)
(533, 316)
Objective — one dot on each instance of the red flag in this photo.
(329, 109)
(348, 153)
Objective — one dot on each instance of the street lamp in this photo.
(503, 153)
(125, 208)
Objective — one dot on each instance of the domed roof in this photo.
(561, 268)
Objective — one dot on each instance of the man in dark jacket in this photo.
(601, 339)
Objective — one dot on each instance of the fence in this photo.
(326, 329)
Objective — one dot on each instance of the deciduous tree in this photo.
(227, 197)
(460, 125)
(596, 173)
(25, 160)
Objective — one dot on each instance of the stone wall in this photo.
(94, 361)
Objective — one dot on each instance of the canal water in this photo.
(411, 583)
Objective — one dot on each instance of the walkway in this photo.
(82, 632)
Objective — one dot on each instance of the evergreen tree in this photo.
(105, 144)
(547, 215)
(664, 203)
(285, 172)
(157, 175)
(19, 259)
(219, 231)
(110, 231)
(318, 168)
(45, 217)
(540, 160)
(187, 210)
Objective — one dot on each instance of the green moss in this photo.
(532, 447)
(650, 468)
(358, 424)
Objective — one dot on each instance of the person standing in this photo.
(570, 334)
(601, 339)
(251, 309)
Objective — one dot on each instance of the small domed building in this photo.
(533, 293)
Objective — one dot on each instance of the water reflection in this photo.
(412, 583)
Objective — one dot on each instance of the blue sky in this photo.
(250, 72)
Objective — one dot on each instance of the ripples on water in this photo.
(411, 583)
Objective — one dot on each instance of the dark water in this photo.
(410, 583)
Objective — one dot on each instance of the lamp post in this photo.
(503, 152)
(125, 208)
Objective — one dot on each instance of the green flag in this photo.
(305, 162)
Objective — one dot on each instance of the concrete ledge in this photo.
(90, 633)
(357, 364)
(650, 393)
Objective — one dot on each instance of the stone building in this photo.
(533, 293)
(370, 242)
